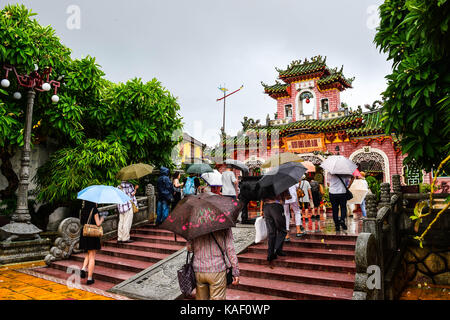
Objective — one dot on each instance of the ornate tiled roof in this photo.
(333, 77)
(355, 125)
(298, 68)
(298, 71)
(276, 90)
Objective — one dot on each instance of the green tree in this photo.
(97, 126)
(24, 43)
(414, 34)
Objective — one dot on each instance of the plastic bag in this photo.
(261, 230)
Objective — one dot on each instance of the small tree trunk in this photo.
(7, 170)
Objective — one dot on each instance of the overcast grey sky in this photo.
(195, 46)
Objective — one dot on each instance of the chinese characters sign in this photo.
(305, 143)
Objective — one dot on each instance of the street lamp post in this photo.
(20, 227)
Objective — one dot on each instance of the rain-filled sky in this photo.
(193, 47)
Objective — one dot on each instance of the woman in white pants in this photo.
(289, 204)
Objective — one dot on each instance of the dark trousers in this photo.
(276, 226)
(338, 200)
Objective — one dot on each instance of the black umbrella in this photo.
(281, 178)
(238, 165)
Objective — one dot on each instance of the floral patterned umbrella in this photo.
(197, 215)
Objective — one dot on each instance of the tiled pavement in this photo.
(18, 282)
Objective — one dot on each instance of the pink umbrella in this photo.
(309, 166)
(357, 174)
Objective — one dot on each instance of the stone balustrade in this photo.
(69, 228)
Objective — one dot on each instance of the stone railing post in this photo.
(151, 202)
(385, 195)
(367, 278)
(396, 184)
(369, 222)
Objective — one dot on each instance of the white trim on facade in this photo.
(387, 172)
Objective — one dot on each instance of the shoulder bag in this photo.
(186, 276)
(348, 193)
(92, 230)
(229, 269)
(300, 192)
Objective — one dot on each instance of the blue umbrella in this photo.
(103, 194)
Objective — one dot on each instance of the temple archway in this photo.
(373, 161)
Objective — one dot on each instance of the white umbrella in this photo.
(339, 165)
(359, 190)
(212, 178)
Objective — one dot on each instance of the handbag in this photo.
(92, 230)
(300, 192)
(135, 209)
(260, 230)
(186, 276)
(229, 274)
(348, 193)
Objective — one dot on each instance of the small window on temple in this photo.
(288, 111)
(324, 105)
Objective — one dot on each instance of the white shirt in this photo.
(228, 180)
(305, 187)
(336, 186)
(293, 192)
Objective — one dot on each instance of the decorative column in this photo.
(21, 226)
(151, 202)
(385, 195)
(23, 242)
(369, 222)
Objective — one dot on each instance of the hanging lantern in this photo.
(307, 100)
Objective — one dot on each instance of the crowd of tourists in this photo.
(214, 253)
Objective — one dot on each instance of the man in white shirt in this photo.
(289, 204)
(229, 183)
(306, 201)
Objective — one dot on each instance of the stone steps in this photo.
(300, 262)
(117, 262)
(293, 290)
(311, 276)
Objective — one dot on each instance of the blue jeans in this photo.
(363, 208)
(162, 211)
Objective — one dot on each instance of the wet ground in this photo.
(17, 285)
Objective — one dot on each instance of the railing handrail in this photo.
(423, 196)
(114, 206)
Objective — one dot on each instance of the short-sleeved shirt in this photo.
(305, 187)
(336, 185)
(128, 188)
(228, 180)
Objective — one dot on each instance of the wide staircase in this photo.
(317, 266)
(115, 262)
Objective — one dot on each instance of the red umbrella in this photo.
(197, 215)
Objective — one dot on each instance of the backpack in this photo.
(300, 192)
(189, 187)
(315, 188)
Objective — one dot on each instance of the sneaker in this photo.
(287, 239)
(83, 274)
(89, 282)
(301, 228)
